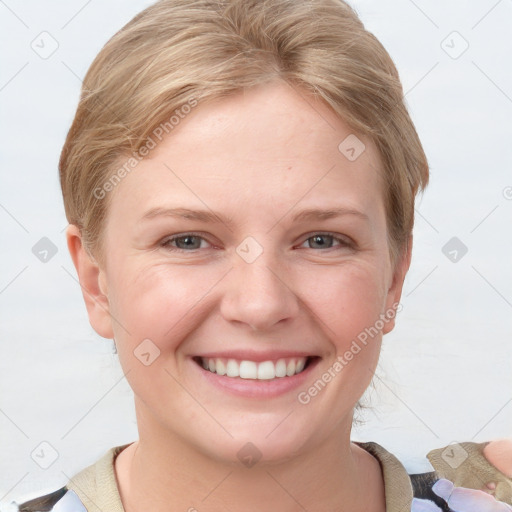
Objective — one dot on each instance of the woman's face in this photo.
(258, 280)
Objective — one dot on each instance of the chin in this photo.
(261, 442)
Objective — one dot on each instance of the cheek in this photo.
(155, 309)
(347, 299)
(157, 301)
(165, 303)
(351, 310)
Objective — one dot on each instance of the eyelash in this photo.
(167, 241)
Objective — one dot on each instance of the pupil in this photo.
(188, 241)
(318, 239)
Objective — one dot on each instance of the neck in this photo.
(163, 473)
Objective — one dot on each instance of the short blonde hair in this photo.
(178, 53)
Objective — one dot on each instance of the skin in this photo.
(257, 158)
(499, 453)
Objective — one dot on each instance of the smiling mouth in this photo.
(264, 370)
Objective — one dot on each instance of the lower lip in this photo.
(254, 388)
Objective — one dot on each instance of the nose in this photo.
(259, 294)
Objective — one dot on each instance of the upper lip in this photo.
(247, 355)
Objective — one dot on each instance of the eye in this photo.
(189, 242)
(325, 241)
(186, 242)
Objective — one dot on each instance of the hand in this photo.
(499, 454)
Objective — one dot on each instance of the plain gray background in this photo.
(445, 371)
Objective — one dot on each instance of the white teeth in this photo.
(232, 369)
(300, 365)
(248, 370)
(220, 367)
(266, 370)
(281, 368)
(290, 368)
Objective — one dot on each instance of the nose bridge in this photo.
(262, 276)
(259, 292)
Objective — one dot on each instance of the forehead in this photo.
(270, 146)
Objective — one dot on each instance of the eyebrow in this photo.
(208, 216)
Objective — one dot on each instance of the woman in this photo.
(239, 181)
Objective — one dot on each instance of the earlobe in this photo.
(395, 290)
(92, 282)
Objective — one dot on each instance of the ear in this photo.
(93, 283)
(395, 290)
